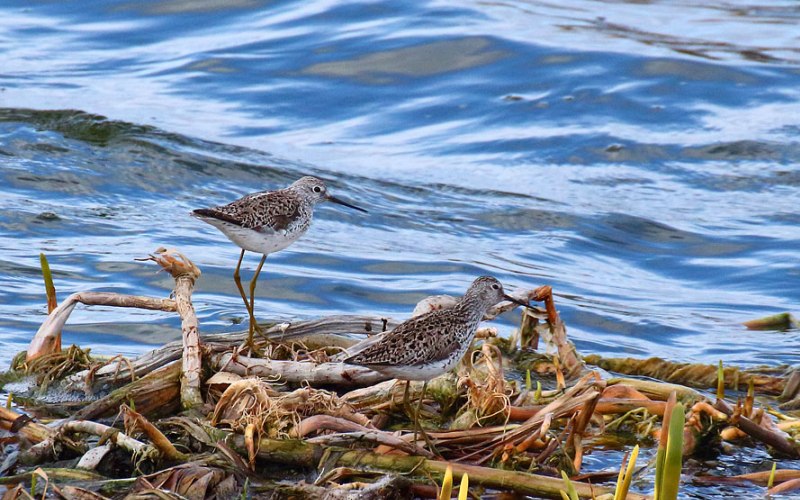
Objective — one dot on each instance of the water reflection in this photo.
(422, 60)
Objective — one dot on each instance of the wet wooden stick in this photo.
(108, 433)
(23, 425)
(330, 330)
(134, 420)
(295, 452)
(567, 352)
(39, 438)
(348, 432)
(778, 440)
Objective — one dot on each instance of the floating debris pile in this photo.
(224, 416)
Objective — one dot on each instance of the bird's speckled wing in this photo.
(264, 211)
(424, 339)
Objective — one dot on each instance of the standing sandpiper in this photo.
(267, 222)
(429, 345)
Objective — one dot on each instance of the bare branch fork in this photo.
(185, 273)
(49, 334)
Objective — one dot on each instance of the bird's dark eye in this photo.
(317, 189)
(495, 287)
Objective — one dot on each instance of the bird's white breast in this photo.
(425, 371)
(263, 242)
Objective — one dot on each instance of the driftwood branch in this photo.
(44, 438)
(185, 274)
(48, 334)
(24, 426)
(331, 330)
(40, 438)
(297, 372)
(107, 433)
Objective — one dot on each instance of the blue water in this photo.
(639, 157)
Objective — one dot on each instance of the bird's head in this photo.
(489, 291)
(314, 190)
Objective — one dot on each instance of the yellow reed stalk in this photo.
(463, 490)
(447, 484)
(626, 475)
(771, 479)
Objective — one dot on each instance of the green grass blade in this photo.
(572, 494)
(662, 444)
(660, 454)
(673, 461)
(49, 288)
(244, 495)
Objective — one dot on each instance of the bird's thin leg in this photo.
(251, 309)
(238, 280)
(416, 413)
(418, 426)
(405, 397)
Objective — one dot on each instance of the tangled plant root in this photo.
(252, 402)
(488, 393)
(55, 366)
(294, 351)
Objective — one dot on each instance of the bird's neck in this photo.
(472, 308)
(305, 202)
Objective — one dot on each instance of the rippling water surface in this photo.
(639, 157)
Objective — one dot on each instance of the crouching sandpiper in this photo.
(429, 345)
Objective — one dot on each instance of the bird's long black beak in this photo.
(517, 301)
(340, 202)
